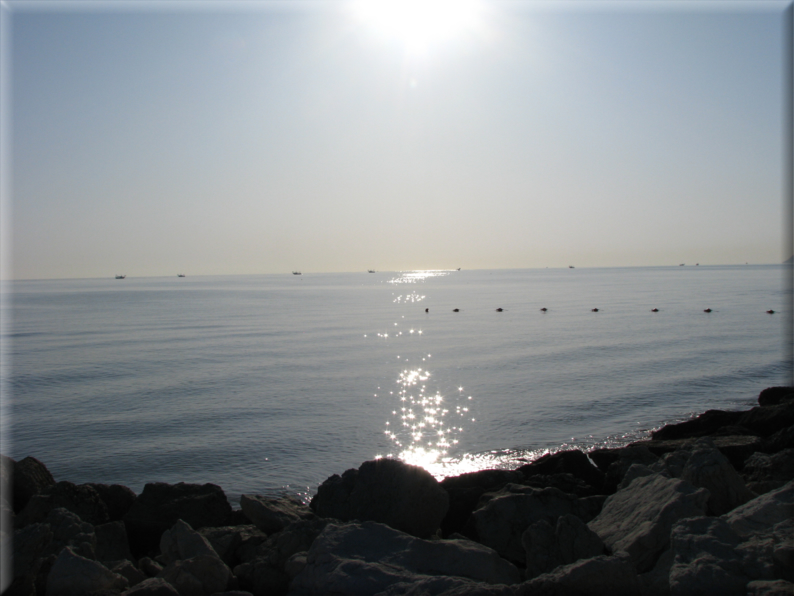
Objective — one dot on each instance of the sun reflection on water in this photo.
(412, 277)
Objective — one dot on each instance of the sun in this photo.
(419, 24)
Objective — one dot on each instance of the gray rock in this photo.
(149, 566)
(614, 576)
(778, 587)
(262, 577)
(505, 517)
(30, 478)
(117, 498)
(72, 574)
(296, 537)
(30, 545)
(389, 491)
(225, 540)
(69, 530)
(111, 542)
(154, 586)
(182, 542)
(638, 519)
(708, 468)
(126, 569)
(634, 471)
(763, 472)
(365, 558)
(202, 575)
(273, 515)
(627, 457)
(251, 541)
(548, 547)
(80, 499)
(763, 512)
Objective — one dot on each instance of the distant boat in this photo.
(180, 275)
(370, 271)
(680, 264)
(296, 273)
(458, 268)
(571, 267)
(121, 277)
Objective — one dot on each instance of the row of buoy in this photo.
(544, 309)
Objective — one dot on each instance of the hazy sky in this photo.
(157, 138)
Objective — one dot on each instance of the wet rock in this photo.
(465, 491)
(764, 473)
(202, 575)
(154, 586)
(599, 575)
(117, 498)
(30, 477)
(160, 505)
(638, 519)
(736, 448)
(773, 396)
(367, 557)
(72, 574)
(572, 462)
(767, 420)
(111, 542)
(389, 491)
(273, 515)
(703, 425)
(501, 522)
(549, 546)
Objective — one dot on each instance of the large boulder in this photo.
(572, 462)
(112, 543)
(502, 521)
(767, 420)
(72, 574)
(465, 491)
(80, 499)
(389, 491)
(69, 530)
(366, 558)
(614, 576)
(225, 540)
(202, 575)
(705, 424)
(272, 515)
(707, 468)
(638, 519)
(160, 505)
(30, 477)
(763, 472)
(182, 542)
(737, 448)
(772, 396)
(763, 512)
(550, 546)
(117, 498)
(30, 546)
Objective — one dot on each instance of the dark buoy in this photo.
(427, 310)
(544, 309)
(654, 310)
(707, 310)
(593, 310)
(499, 310)
(770, 312)
(455, 310)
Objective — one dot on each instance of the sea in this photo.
(269, 384)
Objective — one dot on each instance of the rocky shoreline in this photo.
(703, 507)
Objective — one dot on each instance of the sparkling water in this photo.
(268, 384)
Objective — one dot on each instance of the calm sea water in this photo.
(264, 384)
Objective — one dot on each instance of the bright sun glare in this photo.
(418, 23)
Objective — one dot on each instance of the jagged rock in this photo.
(127, 570)
(226, 540)
(772, 396)
(736, 448)
(365, 558)
(656, 582)
(548, 547)
(708, 468)
(149, 566)
(711, 558)
(782, 439)
(72, 574)
(763, 472)
(705, 424)
(626, 457)
(389, 491)
(273, 515)
(600, 575)
(638, 519)
(30, 545)
(69, 530)
(117, 498)
(465, 491)
(505, 517)
(111, 542)
(182, 542)
(572, 462)
(296, 537)
(154, 586)
(763, 512)
(778, 587)
(202, 575)
(672, 464)
(567, 483)
(160, 505)
(767, 420)
(80, 499)
(30, 478)
(635, 471)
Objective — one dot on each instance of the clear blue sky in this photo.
(156, 138)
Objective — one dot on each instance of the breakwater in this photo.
(702, 507)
